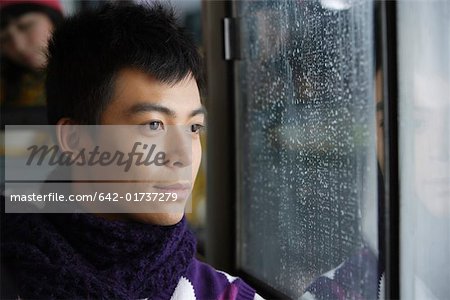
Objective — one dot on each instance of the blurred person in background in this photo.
(26, 27)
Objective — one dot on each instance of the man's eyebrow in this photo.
(148, 107)
(198, 111)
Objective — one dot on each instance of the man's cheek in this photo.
(197, 161)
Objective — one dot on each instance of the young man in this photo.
(124, 65)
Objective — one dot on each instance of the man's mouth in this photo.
(182, 190)
(173, 186)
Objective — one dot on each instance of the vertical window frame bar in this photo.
(391, 230)
(221, 154)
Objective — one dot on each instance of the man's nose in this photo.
(178, 147)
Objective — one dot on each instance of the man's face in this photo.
(169, 117)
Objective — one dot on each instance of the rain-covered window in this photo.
(306, 140)
(424, 109)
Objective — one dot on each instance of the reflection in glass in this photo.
(306, 127)
(424, 95)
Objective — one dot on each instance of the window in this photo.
(309, 97)
(306, 140)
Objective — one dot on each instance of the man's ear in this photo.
(68, 135)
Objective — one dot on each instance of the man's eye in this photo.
(196, 128)
(155, 125)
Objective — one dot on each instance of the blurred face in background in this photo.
(24, 40)
(431, 148)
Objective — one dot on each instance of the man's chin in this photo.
(163, 219)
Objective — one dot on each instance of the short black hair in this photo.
(89, 49)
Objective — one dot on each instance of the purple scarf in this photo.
(80, 255)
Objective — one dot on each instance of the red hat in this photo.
(54, 4)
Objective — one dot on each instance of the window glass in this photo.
(424, 95)
(306, 144)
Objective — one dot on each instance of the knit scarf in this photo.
(83, 256)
